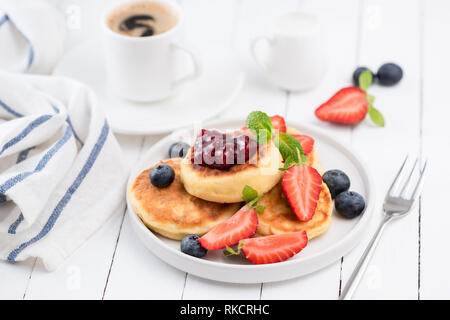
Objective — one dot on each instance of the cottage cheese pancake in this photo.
(172, 211)
(225, 186)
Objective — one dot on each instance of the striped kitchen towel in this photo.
(32, 36)
(61, 169)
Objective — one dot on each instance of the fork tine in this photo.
(396, 177)
(409, 177)
(419, 181)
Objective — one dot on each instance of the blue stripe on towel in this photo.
(54, 108)
(34, 124)
(41, 165)
(13, 227)
(30, 53)
(70, 124)
(23, 154)
(73, 130)
(68, 195)
(30, 50)
(10, 110)
(3, 19)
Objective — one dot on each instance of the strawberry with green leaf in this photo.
(301, 183)
(350, 105)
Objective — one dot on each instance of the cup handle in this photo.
(254, 52)
(196, 70)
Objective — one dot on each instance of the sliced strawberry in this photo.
(348, 105)
(278, 123)
(275, 248)
(301, 186)
(241, 225)
(306, 141)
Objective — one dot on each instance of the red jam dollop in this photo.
(218, 150)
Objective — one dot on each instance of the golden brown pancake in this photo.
(225, 186)
(278, 216)
(172, 211)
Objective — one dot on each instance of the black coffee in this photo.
(142, 19)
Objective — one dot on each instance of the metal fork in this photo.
(394, 206)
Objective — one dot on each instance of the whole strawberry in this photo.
(350, 105)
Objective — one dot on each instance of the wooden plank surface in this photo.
(390, 35)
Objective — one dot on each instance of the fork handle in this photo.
(363, 262)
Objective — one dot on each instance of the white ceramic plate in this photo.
(340, 238)
(199, 100)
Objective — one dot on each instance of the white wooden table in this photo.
(412, 260)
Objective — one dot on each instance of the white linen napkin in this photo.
(31, 36)
(61, 169)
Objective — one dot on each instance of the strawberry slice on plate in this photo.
(306, 141)
(349, 105)
(275, 248)
(301, 186)
(241, 225)
(278, 123)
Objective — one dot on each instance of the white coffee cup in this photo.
(294, 58)
(143, 68)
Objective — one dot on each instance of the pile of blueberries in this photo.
(388, 74)
(348, 204)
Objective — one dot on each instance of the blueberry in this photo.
(162, 175)
(349, 204)
(337, 181)
(192, 247)
(357, 72)
(178, 149)
(389, 74)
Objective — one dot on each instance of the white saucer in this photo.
(202, 99)
(339, 239)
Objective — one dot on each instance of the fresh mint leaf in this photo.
(255, 201)
(376, 116)
(291, 150)
(249, 194)
(251, 197)
(365, 80)
(288, 162)
(259, 123)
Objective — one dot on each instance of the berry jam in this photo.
(221, 151)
